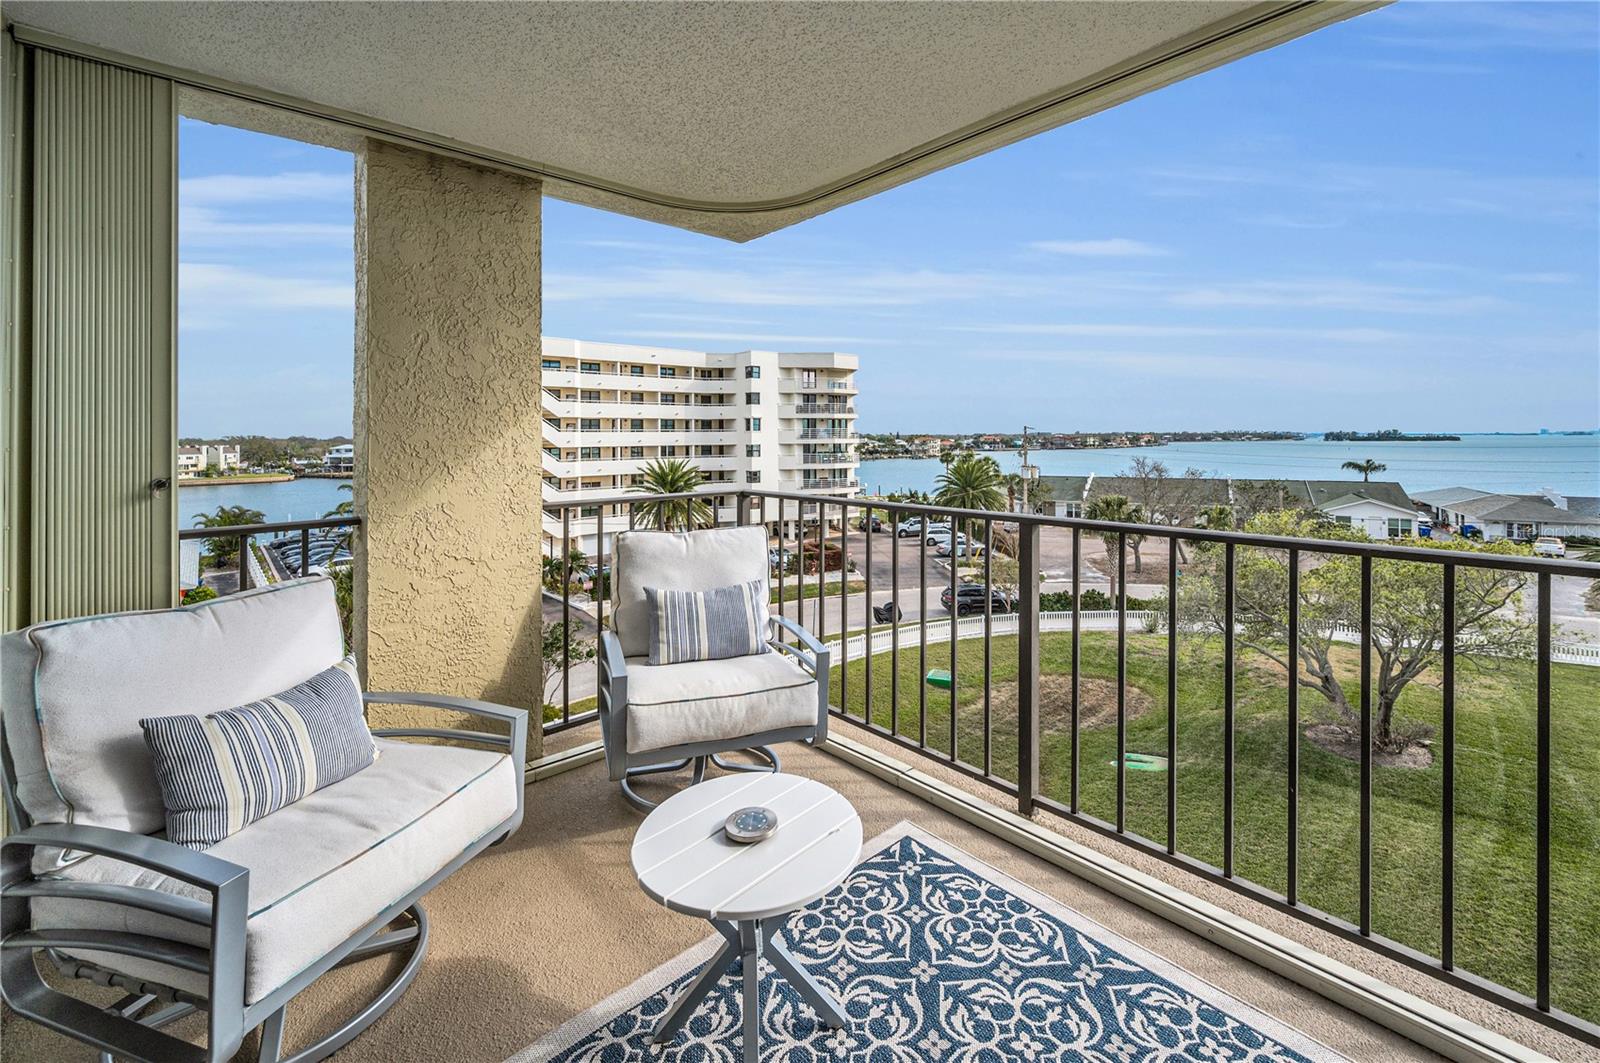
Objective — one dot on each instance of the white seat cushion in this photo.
(320, 868)
(705, 701)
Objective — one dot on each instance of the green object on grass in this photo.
(938, 677)
(1143, 762)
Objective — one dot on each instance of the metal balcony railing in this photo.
(1002, 740)
(295, 546)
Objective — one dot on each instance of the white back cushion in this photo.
(75, 691)
(677, 561)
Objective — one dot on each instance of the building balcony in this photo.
(834, 387)
(843, 457)
(573, 438)
(818, 409)
(817, 435)
(571, 379)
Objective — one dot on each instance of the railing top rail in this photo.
(233, 531)
(1428, 555)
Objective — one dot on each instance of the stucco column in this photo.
(447, 415)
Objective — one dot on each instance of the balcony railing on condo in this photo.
(822, 409)
(826, 433)
(1002, 748)
(296, 546)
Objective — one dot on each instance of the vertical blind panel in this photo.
(103, 344)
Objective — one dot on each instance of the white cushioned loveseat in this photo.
(237, 929)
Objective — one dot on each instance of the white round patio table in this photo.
(685, 862)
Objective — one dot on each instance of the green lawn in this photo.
(1494, 908)
(808, 588)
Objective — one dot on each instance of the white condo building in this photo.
(758, 420)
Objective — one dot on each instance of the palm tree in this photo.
(345, 508)
(672, 476)
(1116, 509)
(223, 551)
(556, 567)
(1365, 468)
(970, 481)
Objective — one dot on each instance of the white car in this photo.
(1549, 546)
(913, 527)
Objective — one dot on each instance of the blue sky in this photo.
(1392, 222)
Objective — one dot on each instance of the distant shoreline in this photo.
(247, 478)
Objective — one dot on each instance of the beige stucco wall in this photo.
(447, 417)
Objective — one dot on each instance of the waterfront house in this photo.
(1379, 508)
(1511, 516)
(191, 462)
(340, 458)
(1141, 926)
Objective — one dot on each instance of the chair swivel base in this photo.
(766, 753)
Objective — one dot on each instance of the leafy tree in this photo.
(556, 567)
(554, 656)
(1260, 496)
(1366, 468)
(1164, 498)
(223, 552)
(672, 476)
(1119, 510)
(344, 585)
(1407, 614)
(1215, 518)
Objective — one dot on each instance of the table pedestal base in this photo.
(747, 943)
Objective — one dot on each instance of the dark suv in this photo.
(970, 599)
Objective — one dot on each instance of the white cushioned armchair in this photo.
(658, 718)
(238, 929)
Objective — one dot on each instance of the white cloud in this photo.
(205, 225)
(1138, 331)
(1334, 294)
(263, 188)
(1189, 366)
(823, 286)
(210, 293)
(748, 337)
(1540, 278)
(1116, 247)
(1338, 189)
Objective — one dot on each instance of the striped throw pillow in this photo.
(221, 772)
(707, 625)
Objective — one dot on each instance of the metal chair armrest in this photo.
(222, 962)
(612, 703)
(515, 743)
(811, 654)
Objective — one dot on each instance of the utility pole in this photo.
(1028, 471)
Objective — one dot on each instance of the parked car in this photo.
(874, 521)
(962, 548)
(970, 599)
(941, 535)
(914, 526)
(779, 558)
(1549, 546)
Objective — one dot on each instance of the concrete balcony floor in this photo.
(552, 922)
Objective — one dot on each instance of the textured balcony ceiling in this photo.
(730, 119)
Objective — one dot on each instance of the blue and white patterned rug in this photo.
(936, 956)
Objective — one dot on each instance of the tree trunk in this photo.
(1138, 559)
